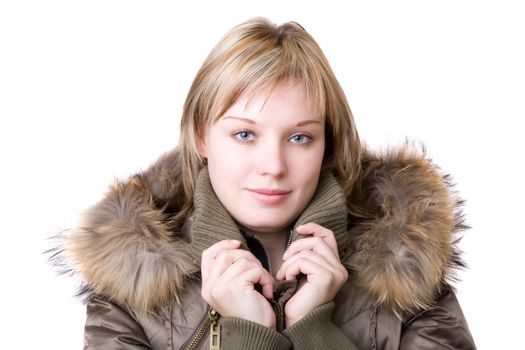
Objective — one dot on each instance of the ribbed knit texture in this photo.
(317, 331)
(212, 223)
(328, 209)
(248, 335)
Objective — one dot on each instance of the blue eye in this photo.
(300, 139)
(243, 136)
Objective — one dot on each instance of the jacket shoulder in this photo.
(443, 325)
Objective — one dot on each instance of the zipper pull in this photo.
(215, 331)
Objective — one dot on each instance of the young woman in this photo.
(270, 226)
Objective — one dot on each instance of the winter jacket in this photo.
(142, 281)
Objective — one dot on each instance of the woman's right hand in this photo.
(229, 276)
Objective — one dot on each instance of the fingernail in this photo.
(234, 241)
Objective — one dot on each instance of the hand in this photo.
(229, 275)
(317, 258)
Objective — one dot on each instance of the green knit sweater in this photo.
(212, 223)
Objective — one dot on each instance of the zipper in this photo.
(279, 319)
(208, 323)
(268, 260)
(267, 256)
(215, 334)
(289, 240)
(279, 312)
(277, 309)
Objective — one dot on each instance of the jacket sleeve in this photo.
(317, 331)
(109, 326)
(442, 326)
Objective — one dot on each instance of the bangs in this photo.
(253, 64)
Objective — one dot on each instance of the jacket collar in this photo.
(211, 222)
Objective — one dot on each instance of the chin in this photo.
(266, 224)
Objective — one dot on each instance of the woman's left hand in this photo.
(318, 259)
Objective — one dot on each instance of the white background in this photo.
(93, 90)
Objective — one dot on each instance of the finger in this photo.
(231, 278)
(211, 253)
(237, 274)
(299, 258)
(317, 230)
(261, 276)
(315, 273)
(305, 266)
(315, 244)
(216, 266)
(234, 270)
(215, 249)
(224, 260)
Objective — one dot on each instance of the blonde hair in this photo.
(251, 55)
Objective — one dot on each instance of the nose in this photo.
(271, 159)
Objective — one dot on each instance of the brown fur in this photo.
(402, 220)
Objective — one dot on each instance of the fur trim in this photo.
(124, 248)
(403, 216)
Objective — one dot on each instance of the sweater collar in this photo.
(212, 223)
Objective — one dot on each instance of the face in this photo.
(264, 158)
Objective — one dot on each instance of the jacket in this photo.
(141, 276)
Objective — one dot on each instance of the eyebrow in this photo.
(306, 122)
(251, 121)
(246, 120)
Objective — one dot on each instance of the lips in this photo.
(269, 196)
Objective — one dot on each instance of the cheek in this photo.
(227, 163)
(309, 168)
(217, 149)
(307, 162)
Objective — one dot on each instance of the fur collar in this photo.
(399, 237)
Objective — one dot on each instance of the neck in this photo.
(274, 243)
(269, 238)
